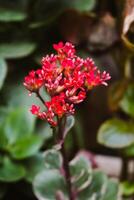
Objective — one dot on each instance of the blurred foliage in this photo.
(101, 29)
(87, 183)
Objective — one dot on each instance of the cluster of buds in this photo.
(66, 78)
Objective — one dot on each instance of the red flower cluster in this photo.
(66, 78)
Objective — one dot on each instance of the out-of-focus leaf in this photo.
(116, 133)
(16, 49)
(127, 23)
(127, 188)
(45, 131)
(34, 165)
(69, 124)
(52, 159)
(10, 15)
(22, 99)
(127, 102)
(96, 188)
(18, 125)
(11, 171)
(48, 183)
(26, 147)
(82, 5)
(128, 15)
(116, 92)
(81, 173)
(3, 140)
(128, 44)
(129, 151)
(79, 131)
(3, 71)
(112, 191)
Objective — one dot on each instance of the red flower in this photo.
(33, 82)
(65, 50)
(35, 109)
(66, 78)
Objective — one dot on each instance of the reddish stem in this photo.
(40, 97)
(65, 159)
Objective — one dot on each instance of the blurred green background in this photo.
(100, 29)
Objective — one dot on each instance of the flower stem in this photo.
(40, 97)
(65, 159)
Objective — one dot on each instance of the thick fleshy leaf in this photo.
(82, 5)
(18, 125)
(45, 131)
(116, 133)
(112, 191)
(127, 102)
(10, 15)
(22, 99)
(69, 124)
(96, 189)
(11, 171)
(26, 147)
(52, 159)
(34, 165)
(16, 49)
(48, 183)
(80, 168)
(3, 71)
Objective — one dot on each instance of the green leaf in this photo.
(16, 49)
(22, 99)
(26, 147)
(45, 131)
(69, 124)
(127, 102)
(3, 71)
(127, 188)
(18, 125)
(3, 140)
(34, 165)
(52, 159)
(96, 188)
(10, 15)
(116, 92)
(116, 133)
(129, 151)
(48, 183)
(112, 191)
(80, 168)
(11, 171)
(83, 5)
(127, 43)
